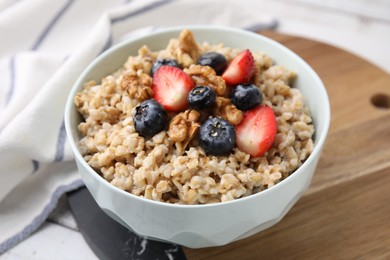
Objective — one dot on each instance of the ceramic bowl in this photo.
(217, 224)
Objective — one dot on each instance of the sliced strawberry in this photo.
(256, 132)
(171, 87)
(240, 69)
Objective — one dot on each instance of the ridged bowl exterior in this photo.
(217, 224)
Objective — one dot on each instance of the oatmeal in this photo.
(195, 123)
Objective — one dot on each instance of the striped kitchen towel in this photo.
(45, 45)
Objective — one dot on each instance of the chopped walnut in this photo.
(225, 109)
(188, 44)
(183, 128)
(137, 85)
(206, 76)
(185, 49)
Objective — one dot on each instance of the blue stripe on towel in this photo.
(272, 24)
(140, 11)
(35, 165)
(60, 147)
(38, 220)
(48, 28)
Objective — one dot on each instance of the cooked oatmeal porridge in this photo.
(195, 123)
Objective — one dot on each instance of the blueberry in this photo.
(160, 62)
(246, 96)
(217, 136)
(201, 97)
(149, 118)
(215, 60)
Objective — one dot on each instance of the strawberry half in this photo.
(170, 87)
(240, 69)
(256, 132)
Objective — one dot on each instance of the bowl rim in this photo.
(226, 29)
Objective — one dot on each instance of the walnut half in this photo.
(185, 49)
(183, 128)
(225, 109)
(137, 85)
(206, 76)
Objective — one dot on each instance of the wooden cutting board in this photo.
(345, 214)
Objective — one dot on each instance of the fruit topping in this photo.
(171, 87)
(160, 62)
(149, 118)
(184, 127)
(256, 132)
(217, 136)
(240, 70)
(246, 96)
(201, 97)
(214, 60)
